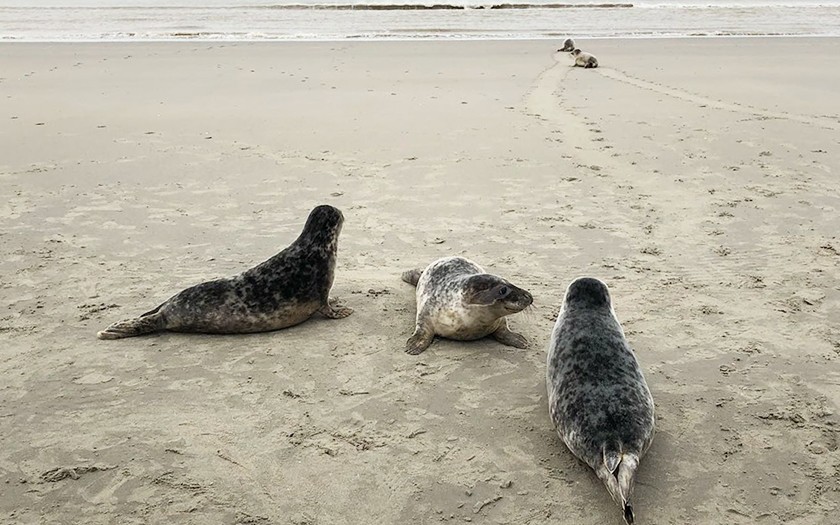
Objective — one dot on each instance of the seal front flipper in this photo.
(145, 324)
(505, 336)
(412, 276)
(333, 310)
(420, 341)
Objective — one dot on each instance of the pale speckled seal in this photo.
(584, 59)
(568, 46)
(597, 396)
(457, 299)
(283, 291)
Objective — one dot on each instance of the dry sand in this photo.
(698, 178)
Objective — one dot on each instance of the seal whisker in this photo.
(529, 313)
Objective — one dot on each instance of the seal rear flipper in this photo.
(412, 277)
(626, 478)
(618, 472)
(145, 324)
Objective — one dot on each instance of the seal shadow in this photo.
(185, 341)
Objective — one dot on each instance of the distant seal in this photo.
(457, 299)
(584, 59)
(597, 396)
(568, 46)
(283, 291)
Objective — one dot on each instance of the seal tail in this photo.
(618, 472)
(145, 324)
(412, 277)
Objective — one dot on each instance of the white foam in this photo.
(252, 20)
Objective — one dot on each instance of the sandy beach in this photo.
(697, 177)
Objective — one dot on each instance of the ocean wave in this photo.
(729, 4)
(254, 20)
(725, 7)
(436, 7)
(444, 6)
(333, 7)
(428, 5)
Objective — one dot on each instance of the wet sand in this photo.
(697, 177)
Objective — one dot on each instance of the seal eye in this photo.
(503, 291)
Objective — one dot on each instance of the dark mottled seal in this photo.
(597, 396)
(568, 46)
(282, 291)
(584, 59)
(457, 299)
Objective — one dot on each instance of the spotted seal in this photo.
(568, 46)
(597, 396)
(584, 59)
(457, 299)
(283, 291)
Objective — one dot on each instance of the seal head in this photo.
(588, 292)
(322, 228)
(494, 292)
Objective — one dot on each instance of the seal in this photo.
(584, 59)
(457, 299)
(283, 291)
(568, 46)
(597, 396)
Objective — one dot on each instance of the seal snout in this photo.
(518, 300)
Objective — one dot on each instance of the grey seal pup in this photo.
(597, 395)
(457, 299)
(584, 59)
(283, 291)
(568, 46)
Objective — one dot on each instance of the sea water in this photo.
(92, 20)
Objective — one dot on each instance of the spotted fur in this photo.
(458, 300)
(597, 395)
(283, 291)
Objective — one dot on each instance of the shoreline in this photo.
(419, 40)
